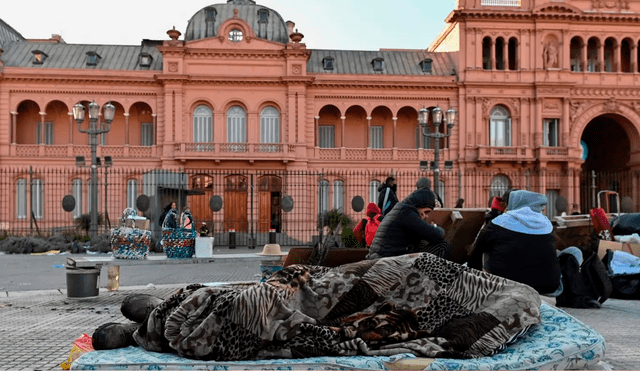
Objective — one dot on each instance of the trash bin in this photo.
(82, 282)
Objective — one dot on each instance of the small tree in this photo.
(334, 218)
(84, 222)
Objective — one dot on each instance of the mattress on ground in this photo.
(559, 342)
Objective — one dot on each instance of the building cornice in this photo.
(81, 92)
(77, 79)
(465, 15)
(334, 97)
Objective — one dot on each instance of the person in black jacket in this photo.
(425, 183)
(520, 244)
(405, 229)
(387, 195)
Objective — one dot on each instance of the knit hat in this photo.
(372, 208)
(519, 199)
(423, 183)
(421, 198)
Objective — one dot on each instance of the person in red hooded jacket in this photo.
(366, 229)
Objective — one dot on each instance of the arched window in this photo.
(500, 127)
(499, 185)
(236, 125)
(513, 53)
(269, 125)
(609, 50)
(37, 201)
(202, 124)
(338, 195)
(373, 191)
(21, 199)
(576, 54)
(132, 193)
(486, 53)
(499, 45)
(323, 196)
(625, 55)
(77, 194)
(592, 55)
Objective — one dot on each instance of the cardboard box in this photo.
(631, 248)
(204, 247)
(140, 223)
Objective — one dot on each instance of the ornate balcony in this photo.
(493, 154)
(371, 154)
(71, 150)
(234, 151)
(552, 153)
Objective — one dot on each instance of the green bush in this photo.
(349, 239)
(333, 218)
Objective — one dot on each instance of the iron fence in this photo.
(257, 202)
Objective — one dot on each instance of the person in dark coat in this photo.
(405, 229)
(387, 195)
(520, 244)
(425, 183)
(171, 223)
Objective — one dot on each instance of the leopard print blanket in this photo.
(416, 303)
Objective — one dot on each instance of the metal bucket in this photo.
(82, 283)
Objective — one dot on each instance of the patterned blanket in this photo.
(415, 303)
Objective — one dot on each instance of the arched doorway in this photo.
(199, 195)
(269, 198)
(606, 153)
(235, 203)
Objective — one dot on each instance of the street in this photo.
(21, 272)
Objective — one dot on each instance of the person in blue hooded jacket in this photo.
(520, 244)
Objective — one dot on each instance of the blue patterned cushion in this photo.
(560, 342)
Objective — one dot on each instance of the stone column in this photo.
(126, 128)
(42, 131)
(369, 132)
(505, 55)
(14, 125)
(154, 117)
(70, 127)
(601, 57)
(492, 58)
(342, 119)
(616, 58)
(316, 140)
(583, 57)
(395, 122)
(634, 58)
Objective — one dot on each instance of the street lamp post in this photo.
(423, 120)
(93, 131)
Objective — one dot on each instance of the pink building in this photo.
(545, 93)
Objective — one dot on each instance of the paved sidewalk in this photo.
(38, 327)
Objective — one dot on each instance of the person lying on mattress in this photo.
(413, 303)
(520, 244)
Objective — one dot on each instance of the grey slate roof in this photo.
(274, 30)
(396, 62)
(8, 34)
(112, 57)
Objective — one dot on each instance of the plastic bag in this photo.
(81, 345)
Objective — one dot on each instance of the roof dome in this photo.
(266, 23)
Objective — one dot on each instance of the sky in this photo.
(325, 24)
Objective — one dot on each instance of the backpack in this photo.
(370, 229)
(358, 233)
(586, 284)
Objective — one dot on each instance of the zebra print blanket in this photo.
(415, 303)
